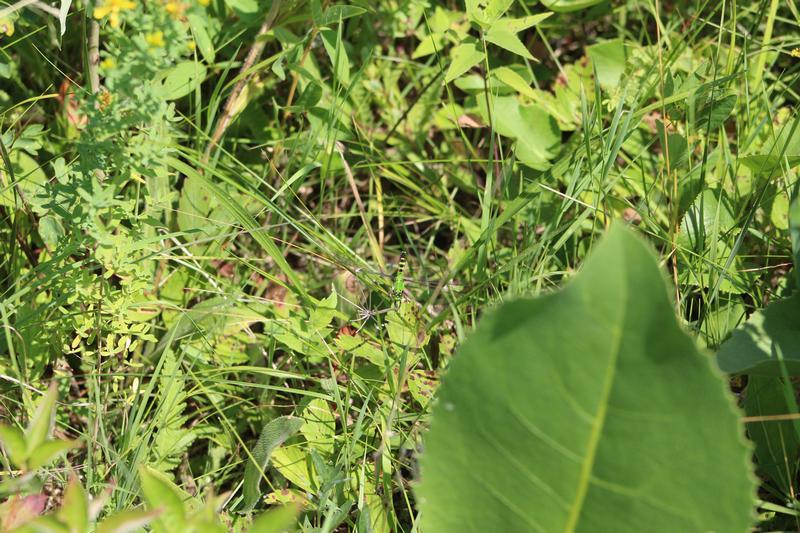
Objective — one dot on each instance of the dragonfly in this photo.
(394, 288)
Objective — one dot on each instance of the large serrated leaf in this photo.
(589, 409)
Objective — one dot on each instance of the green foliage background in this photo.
(203, 205)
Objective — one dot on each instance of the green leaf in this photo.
(535, 131)
(609, 59)
(47, 451)
(14, 444)
(195, 205)
(334, 46)
(74, 511)
(779, 211)
(566, 6)
(708, 217)
(336, 13)
(173, 438)
(274, 433)
(463, 58)
(538, 137)
(561, 413)
(405, 327)
(776, 441)
(428, 45)
(198, 25)
(276, 520)
(522, 23)
(319, 425)
(794, 232)
(51, 230)
(28, 176)
(41, 422)
(310, 96)
(714, 111)
(324, 312)
(356, 346)
(44, 524)
(126, 521)
(676, 146)
(507, 40)
(180, 80)
(243, 7)
(485, 12)
(503, 33)
(514, 80)
(296, 466)
(786, 147)
(769, 336)
(160, 493)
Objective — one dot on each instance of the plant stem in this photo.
(244, 77)
(94, 55)
(761, 61)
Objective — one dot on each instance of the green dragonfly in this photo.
(394, 289)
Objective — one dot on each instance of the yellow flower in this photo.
(112, 9)
(204, 2)
(191, 46)
(175, 9)
(796, 52)
(108, 63)
(155, 39)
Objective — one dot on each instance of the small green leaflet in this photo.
(465, 56)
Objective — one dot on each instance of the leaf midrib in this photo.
(599, 421)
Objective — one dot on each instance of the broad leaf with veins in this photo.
(587, 410)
